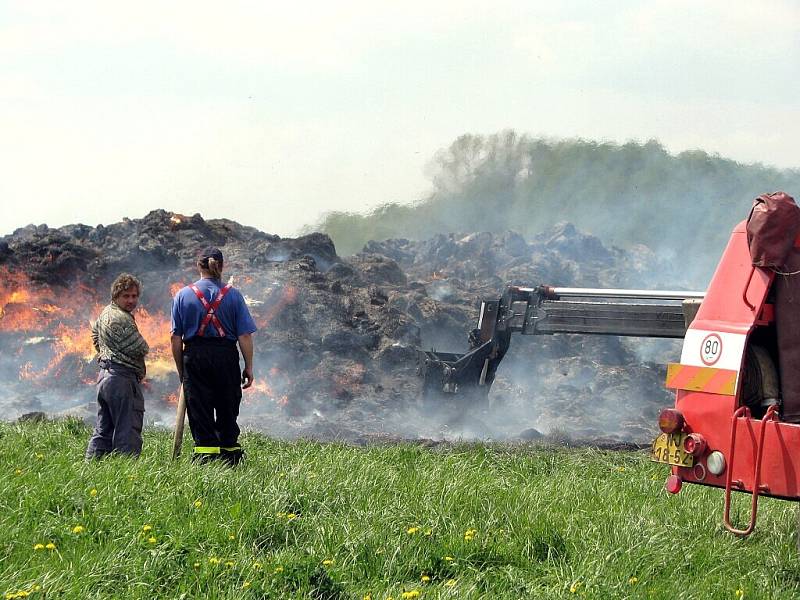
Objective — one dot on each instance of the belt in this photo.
(209, 341)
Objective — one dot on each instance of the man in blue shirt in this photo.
(208, 320)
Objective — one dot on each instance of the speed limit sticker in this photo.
(703, 348)
(711, 349)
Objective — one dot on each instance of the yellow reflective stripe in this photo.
(206, 449)
(231, 449)
(701, 379)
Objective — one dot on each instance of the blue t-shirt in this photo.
(188, 312)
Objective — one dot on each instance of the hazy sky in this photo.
(274, 113)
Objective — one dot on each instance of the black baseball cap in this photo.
(211, 252)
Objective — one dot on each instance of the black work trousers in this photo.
(213, 392)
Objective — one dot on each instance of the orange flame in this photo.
(176, 219)
(262, 387)
(60, 344)
(157, 330)
(65, 319)
(287, 295)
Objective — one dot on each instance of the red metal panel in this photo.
(734, 302)
(780, 468)
(737, 292)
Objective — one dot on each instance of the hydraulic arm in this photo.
(548, 310)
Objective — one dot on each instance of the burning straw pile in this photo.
(335, 351)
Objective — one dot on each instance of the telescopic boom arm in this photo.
(548, 310)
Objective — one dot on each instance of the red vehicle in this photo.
(730, 425)
(726, 429)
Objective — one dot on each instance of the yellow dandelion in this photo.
(291, 516)
(450, 583)
(198, 503)
(38, 546)
(39, 455)
(412, 530)
(231, 537)
(278, 570)
(367, 597)
(740, 593)
(213, 560)
(410, 595)
(257, 566)
(36, 588)
(327, 562)
(573, 589)
(151, 540)
(280, 515)
(425, 578)
(621, 469)
(50, 546)
(245, 585)
(229, 564)
(633, 580)
(78, 529)
(196, 565)
(147, 528)
(449, 558)
(93, 492)
(17, 471)
(428, 531)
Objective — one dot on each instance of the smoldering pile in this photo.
(336, 347)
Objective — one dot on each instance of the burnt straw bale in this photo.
(337, 344)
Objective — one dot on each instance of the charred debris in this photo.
(338, 336)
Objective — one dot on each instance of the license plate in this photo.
(668, 449)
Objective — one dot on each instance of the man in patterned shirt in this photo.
(121, 350)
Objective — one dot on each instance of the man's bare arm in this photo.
(177, 354)
(246, 346)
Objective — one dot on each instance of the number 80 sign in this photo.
(711, 349)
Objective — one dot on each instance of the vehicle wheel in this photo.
(761, 385)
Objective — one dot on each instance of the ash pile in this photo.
(336, 346)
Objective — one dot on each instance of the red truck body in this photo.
(761, 455)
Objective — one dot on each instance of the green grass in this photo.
(549, 523)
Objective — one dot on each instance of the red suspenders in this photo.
(211, 309)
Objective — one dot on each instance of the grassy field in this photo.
(310, 520)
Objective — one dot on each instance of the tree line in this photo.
(682, 206)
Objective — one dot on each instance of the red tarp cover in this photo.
(772, 229)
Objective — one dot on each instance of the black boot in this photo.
(231, 456)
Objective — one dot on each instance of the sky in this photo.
(274, 113)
